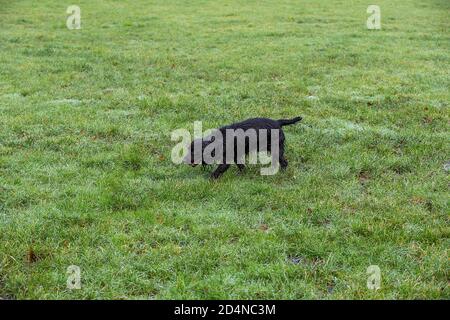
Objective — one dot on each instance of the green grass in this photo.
(86, 177)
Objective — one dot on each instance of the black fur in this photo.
(254, 123)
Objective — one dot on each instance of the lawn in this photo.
(86, 176)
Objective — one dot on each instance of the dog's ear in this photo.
(205, 143)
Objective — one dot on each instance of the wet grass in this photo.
(86, 177)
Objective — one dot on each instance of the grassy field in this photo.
(86, 177)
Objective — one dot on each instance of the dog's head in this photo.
(194, 155)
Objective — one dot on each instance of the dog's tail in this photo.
(285, 122)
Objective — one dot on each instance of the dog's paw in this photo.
(214, 176)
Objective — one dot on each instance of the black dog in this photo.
(263, 128)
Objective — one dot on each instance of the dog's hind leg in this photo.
(220, 170)
(281, 158)
(283, 162)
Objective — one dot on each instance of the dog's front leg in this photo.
(220, 170)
